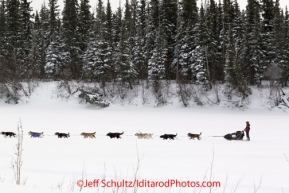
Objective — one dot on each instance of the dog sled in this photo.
(238, 135)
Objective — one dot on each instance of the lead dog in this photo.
(144, 135)
(193, 136)
(62, 135)
(35, 134)
(114, 135)
(8, 134)
(88, 135)
(168, 136)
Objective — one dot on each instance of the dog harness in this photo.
(35, 134)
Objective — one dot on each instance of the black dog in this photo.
(168, 136)
(8, 134)
(114, 135)
(62, 135)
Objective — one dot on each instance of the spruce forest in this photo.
(151, 41)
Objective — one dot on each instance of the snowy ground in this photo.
(56, 165)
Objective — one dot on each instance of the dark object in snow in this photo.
(93, 98)
(168, 136)
(8, 134)
(62, 135)
(114, 135)
(35, 134)
(238, 135)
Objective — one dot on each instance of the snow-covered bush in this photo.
(93, 98)
(11, 92)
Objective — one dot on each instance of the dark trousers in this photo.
(247, 135)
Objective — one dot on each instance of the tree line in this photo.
(151, 40)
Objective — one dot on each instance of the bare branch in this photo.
(259, 185)
(239, 181)
(16, 163)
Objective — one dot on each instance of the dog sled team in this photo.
(238, 135)
(116, 135)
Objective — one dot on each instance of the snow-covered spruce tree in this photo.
(278, 47)
(40, 38)
(108, 66)
(116, 27)
(223, 20)
(184, 44)
(156, 66)
(198, 56)
(217, 73)
(238, 29)
(89, 57)
(251, 54)
(257, 64)
(11, 46)
(125, 69)
(284, 63)
(35, 51)
(25, 40)
(235, 81)
(199, 63)
(2, 38)
(3, 26)
(151, 28)
(73, 66)
(168, 15)
(185, 38)
(9, 60)
(16, 32)
(274, 71)
(108, 31)
(247, 43)
(15, 55)
(84, 23)
(55, 57)
(227, 15)
(215, 68)
(267, 36)
(138, 54)
(98, 64)
(130, 20)
(83, 30)
(107, 56)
